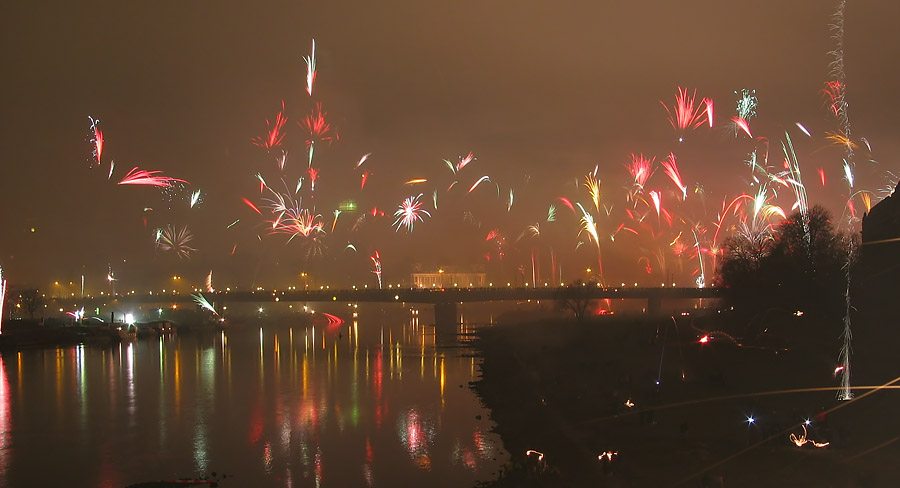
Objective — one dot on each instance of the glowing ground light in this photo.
(704, 339)
(608, 455)
(803, 439)
(540, 455)
(750, 420)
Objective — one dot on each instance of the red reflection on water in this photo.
(256, 423)
(5, 419)
(376, 382)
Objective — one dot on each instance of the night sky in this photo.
(540, 92)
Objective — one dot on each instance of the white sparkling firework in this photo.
(173, 239)
(201, 300)
(746, 104)
(195, 198)
(409, 212)
(310, 68)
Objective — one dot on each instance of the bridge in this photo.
(444, 299)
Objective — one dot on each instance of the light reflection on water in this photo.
(372, 402)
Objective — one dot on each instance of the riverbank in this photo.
(676, 411)
(21, 334)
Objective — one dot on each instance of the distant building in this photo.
(449, 278)
(880, 252)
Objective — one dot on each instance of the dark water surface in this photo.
(377, 401)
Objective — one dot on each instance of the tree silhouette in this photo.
(796, 266)
(576, 297)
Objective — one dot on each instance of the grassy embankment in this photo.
(561, 387)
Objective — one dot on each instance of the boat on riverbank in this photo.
(154, 328)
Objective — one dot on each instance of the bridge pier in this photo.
(446, 316)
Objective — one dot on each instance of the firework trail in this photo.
(96, 140)
(2, 297)
(310, 68)
(840, 108)
(589, 227)
(363, 159)
(409, 212)
(209, 285)
(551, 213)
(657, 200)
(480, 181)
(701, 279)
(112, 166)
(273, 136)
(201, 300)
(741, 124)
(175, 240)
(795, 181)
(565, 201)
(313, 176)
(593, 185)
(463, 161)
(249, 204)
(684, 115)
(142, 177)
(376, 261)
(671, 169)
(195, 198)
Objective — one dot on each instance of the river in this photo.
(374, 401)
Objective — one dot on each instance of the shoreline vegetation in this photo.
(670, 410)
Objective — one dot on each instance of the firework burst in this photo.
(409, 212)
(175, 240)
(142, 177)
(686, 114)
(318, 129)
(274, 135)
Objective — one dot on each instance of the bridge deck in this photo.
(431, 296)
